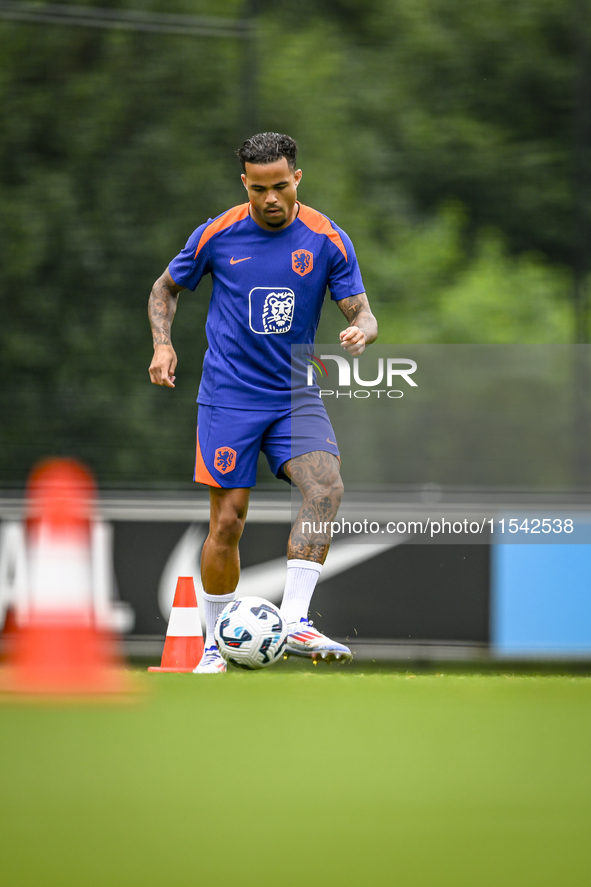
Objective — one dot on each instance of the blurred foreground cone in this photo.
(9, 633)
(183, 647)
(58, 648)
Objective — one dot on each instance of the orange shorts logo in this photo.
(225, 459)
(302, 261)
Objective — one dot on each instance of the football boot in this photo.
(305, 640)
(211, 662)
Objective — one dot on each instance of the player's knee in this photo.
(333, 488)
(227, 527)
(334, 480)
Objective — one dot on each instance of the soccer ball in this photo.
(250, 633)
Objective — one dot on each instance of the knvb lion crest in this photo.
(271, 310)
(225, 459)
(302, 261)
(278, 312)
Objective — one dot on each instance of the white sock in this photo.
(302, 577)
(213, 604)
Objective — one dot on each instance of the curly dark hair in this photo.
(267, 147)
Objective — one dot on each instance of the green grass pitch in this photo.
(297, 776)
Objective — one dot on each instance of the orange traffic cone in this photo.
(183, 647)
(58, 648)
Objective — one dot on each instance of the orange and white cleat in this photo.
(306, 641)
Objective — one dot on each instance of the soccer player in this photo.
(271, 260)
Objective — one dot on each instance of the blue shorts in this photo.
(229, 441)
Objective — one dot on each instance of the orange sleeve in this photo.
(318, 223)
(236, 214)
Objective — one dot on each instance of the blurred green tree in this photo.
(439, 134)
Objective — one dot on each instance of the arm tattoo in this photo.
(317, 477)
(161, 310)
(358, 313)
(351, 308)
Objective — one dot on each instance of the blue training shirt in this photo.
(268, 290)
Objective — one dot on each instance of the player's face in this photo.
(272, 191)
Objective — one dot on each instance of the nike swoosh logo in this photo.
(265, 580)
(234, 261)
(328, 440)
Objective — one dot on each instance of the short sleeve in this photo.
(345, 277)
(192, 263)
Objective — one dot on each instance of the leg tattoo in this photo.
(318, 478)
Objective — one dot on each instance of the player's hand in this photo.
(163, 366)
(353, 340)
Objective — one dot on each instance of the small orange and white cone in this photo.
(183, 647)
